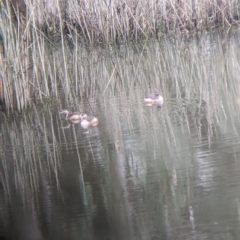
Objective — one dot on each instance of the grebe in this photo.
(71, 116)
(87, 121)
(155, 98)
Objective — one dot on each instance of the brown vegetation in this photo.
(32, 70)
(108, 21)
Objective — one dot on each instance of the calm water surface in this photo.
(142, 172)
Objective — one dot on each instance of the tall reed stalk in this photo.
(38, 36)
(201, 91)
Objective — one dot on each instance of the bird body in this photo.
(154, 98)
(87, 121)
(71, 116)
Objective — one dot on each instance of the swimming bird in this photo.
(154, 98)
(71, 116)
(87, 121)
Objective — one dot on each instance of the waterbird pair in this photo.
(86, 121)
(83, 118)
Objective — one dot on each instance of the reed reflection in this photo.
(141, 171)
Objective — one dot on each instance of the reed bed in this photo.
(110, 21)
(45, 42)
(198, 95)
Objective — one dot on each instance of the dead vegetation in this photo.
(33, 30)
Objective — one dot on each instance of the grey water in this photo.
(143, 172)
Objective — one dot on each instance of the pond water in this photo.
(143, 172)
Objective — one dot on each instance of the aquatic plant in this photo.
(46, 42)
(136, 149)
(109, 21)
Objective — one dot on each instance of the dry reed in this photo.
(45, 42)
(115, 21)
(132, 139)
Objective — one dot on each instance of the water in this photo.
(142, 172)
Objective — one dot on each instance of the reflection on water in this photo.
(143, 172)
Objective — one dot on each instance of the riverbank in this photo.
(43, 41)
(101, 22)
